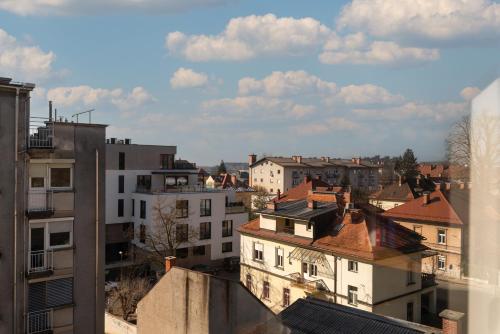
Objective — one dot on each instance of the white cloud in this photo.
(468, 93)
(435, 20)
(79, 7)
(88, 96)
(250, 36)
(328, 125)
(187, 78)
(413, 110)
(367, 94)
(24, 62)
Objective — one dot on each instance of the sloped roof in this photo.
(299, 209)
(408, 190)
(302, 190)
(438, 209)
(314, 316)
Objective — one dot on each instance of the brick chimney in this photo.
(452, 321)
(307, 178)
(299, 159)
(426, 197)
(447, 185)
(357, 161)
(252, 158)
(311, 204)
(169, 263)
(278, 194)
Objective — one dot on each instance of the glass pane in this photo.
(37, 239)
(60, 239)
(60, 177)
(37, 182)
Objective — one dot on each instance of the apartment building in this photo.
(52, 217)
(442, 218)
(317, 247)
(140, 179)
(284, 173)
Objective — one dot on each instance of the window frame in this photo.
(121, 184)
(439, 235)
(226, 231)
(46, 225)
(257, 252)
(286, 297)
(226, 244)
(121, 161)
(70, 178)
(204, 210)
(443, 258)
(352, 266)
(142, 209)
(352, 295)
(185, 236)
(280, 263)
(266, 290)
(203, 235)
(184, 211)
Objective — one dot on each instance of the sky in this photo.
(222, 79)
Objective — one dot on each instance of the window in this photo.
(304, 268)
(441, 262)
(143, 182)
(249, 282)
(143, 209)
(442, 237)
(205, 231)
(258, 251)
(60, 234)
(279, 257)
(181, 232)
(313, 270)
(227, 228)
(410, 275)
(121, 160)
(50, 294)
(133, 207)
(279, 171)
(352, 295)
(182, 207)
(227, 247)
(121, 184)
(60, 177)
(409, 311)
(142, 233)
(120, 208)
(286, 297)
(37, 182)
(265, 290)
(166, 161)
(352, 266)
(199, 250)
(60, 239)
(205, 207)
(181, 253)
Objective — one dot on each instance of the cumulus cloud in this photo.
(413, 110)
(367, 94)
(78, 7)
(246, 37)
(468, 93)
(88, 96)
(24, 62)
(328, 125)
(435, 20)
(187, 78)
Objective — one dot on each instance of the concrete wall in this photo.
(137, 157)
(116, 325)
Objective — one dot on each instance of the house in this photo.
(52, 219)
(319, 246)
(214, 181)
(186, 301)
(444, 172)
(395, 194)
(284, 173)
(441, 218)
(303, 189)
(141, 179)
(315, 316)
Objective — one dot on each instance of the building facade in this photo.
(308, 248)
(52, 213)
(284, 173)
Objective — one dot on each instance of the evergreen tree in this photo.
(222, 168)
(407, 165)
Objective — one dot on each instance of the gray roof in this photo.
(314, 316)
(299, 210)
(316, 162)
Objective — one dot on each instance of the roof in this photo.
(299, 209)
(314, 316)
(302, 190)
(315, 162)
(442, 207)
(404, 192)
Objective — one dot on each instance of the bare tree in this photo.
(124, 298)
(458, 142)
(260, 198)
(168, 232)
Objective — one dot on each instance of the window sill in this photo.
(258, 261)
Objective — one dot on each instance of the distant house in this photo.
(399, 193)
(186, 301)
(441, 217)
(314, 316)
(444, 172)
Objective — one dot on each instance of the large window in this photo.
(441, 262)
(205, 231)
(205, 207)
(133, 208)
(121, 160)
(279, 257)
(60, 177)
(199, 250)
(352, 295)
(143, 210)
(441, 237)
(120, 207)
(227, 228)
(143, 182)
(182, 208)
(258, 251)
(121, 184)
(265, 290)
(227, 247)
(181, 232)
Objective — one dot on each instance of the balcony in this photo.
(40, 204)
(41, 133)
(178, 189)
(40, 322)
(236, 207)
(318, 285)
(428, 280)
(40, 263)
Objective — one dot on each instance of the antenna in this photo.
(84, 112)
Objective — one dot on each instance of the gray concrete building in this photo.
(51, 218)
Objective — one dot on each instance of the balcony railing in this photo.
(40, 261)
(300, 281)
(286, 229)
(41, 201)
(178, 189)
(40, 321)
(237, 207)
(428, 280)
(41, 133)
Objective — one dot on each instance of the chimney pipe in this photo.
(311, 204)
(272, 205)
(233, 179)
(50, 111)
(252, 158)
(169, 263)
(452, 321)
(426, 197)
(279, 193)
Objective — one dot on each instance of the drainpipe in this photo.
(16, 140)
(96, 238)
(335, 280)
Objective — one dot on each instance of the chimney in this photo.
(50, 110)
(278, 195)
(128, 141)
(437, 186)
(357, 161)
(272, 205)
(252, 158)
(233, 179)
(311, 204)
(169, 263)
(113, 140)
(299, 159)
(461, 185)
(318, 177)
(452, 321)
(307, 178)
(447, 185)
(426, 197)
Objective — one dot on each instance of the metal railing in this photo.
(41, 133)
(428, 280)
(40, 261)
(308, 284)
(235, 209)
(40, 201)
(40, 321)
(180, 189)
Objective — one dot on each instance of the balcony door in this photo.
(37, 248)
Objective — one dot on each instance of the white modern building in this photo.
(139, 178)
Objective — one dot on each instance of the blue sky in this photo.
(222, 79)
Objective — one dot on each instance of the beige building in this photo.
(284, 173)
(312, 247)
(441, 217)
(52, 214)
